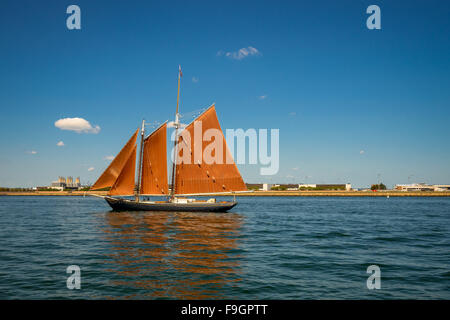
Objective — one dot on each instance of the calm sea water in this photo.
(267, 248)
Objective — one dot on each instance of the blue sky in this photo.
(352, 104)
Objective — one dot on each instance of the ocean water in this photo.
(266, 248)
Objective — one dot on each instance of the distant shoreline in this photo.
(261, 194)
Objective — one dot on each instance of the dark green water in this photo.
(267, 248)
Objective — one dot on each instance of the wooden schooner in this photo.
(188, 179)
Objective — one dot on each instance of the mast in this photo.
(176, 124)
(138, 187)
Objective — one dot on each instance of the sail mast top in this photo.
(138, 187)
(176, 124)
(180, 74)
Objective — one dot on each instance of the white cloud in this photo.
(194, 79)
(262, 97)
(361, 152)
(109, 158)
(241, 53)
(60, 144)
(32, 152)
(91, 169)
(78, 125)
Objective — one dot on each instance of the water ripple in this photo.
(268, 248)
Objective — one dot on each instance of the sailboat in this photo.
(191, 179)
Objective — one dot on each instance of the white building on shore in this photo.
(422, 187)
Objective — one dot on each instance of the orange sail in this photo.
(198, 174)
(124, 184)
(110, 175)
(154, 163)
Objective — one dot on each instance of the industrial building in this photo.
(422, 187)
(346, 186)
(292, 187)
(66, 183)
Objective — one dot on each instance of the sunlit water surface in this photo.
(266, 248)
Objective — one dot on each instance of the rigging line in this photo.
(154, 124)
(193, 113)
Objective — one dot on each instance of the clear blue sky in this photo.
(351, 104)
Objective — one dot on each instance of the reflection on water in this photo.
(174, 255)
(275, 248)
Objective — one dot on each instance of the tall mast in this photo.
(138, 187)
(176, 124)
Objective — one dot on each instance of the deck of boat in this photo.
(119, 204)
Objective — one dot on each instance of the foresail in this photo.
(154, 163)
(110, 175)
(124, 184)
(197, 175)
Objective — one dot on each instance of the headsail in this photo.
(110, 175)
(154, 163)
(124, 184)
(198, 176)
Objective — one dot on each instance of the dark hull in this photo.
(130, 205)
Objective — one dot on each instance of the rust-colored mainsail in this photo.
(154, 163)
(124, 184)
(197, 176)
(110, 175)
